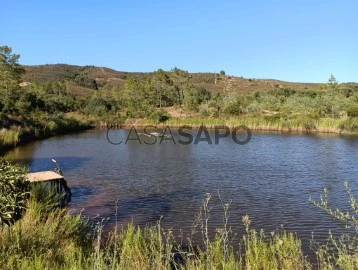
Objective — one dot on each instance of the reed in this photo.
(9, 137)
(299, 123)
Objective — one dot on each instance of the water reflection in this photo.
(271, 178)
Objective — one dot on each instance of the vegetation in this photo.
(47, 237)
(61, 98)
(341, 252)
(14, 191)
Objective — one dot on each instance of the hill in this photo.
(85, 80)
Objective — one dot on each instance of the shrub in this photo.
(350, 125)
(14, 191)
(342, 252)
(9, 137)
(160, 116)
(45, 240)
(233, 108)
(353, 112)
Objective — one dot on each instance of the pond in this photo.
(270, 178)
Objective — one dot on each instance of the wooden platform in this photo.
(43, 176)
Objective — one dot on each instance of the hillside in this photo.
(102, 77)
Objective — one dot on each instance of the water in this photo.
(271, 179)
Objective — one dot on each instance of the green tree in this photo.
(82, 79)
(180, 80)
(164, 87)
(10, 77)
(331, 87)
(195, 96)
(139, 97)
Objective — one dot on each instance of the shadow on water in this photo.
(141, 210)
(80, 191)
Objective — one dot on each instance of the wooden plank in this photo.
(43, 176)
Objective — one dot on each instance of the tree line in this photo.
(148, 97)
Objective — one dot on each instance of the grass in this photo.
(55, 239)
(48, 237)
(269, 122)
(279, 251)
(9, 137)
(44, 126)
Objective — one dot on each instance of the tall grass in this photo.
(276, 251)
(340, 252)
(37, 128)
(48, 238)
(299, 123)
(9, 137)
(54, 239)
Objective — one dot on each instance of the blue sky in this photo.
(287, 40)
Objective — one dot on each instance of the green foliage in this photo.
(9, 137)
(55, 239)
(280, 250)
(341, 252)
(14, 192)
(160, 116)
(83, 80)
(43, 239)
(142, 95)
(97, 106)
(353, 112)
(350, 125)
(180, 80)
(10, 75)
(286, 92)
(195, 96)
(233, 108)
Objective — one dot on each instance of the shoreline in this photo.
(141, 123)
(268, 128)
(26, 138)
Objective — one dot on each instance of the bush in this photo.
(14, 192)
(350, 125)
(9, 137)
(160, 116)
(353, 112)
(45, 240)
(233, 108)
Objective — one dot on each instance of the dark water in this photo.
(271, 179)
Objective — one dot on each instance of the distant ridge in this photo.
(109, 77)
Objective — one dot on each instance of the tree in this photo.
(222, 72)
(139, 97)
(10, 77)
(195, 96)
(164, 86)
(331, 87)
(180, 79)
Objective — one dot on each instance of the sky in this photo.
(301, 41)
